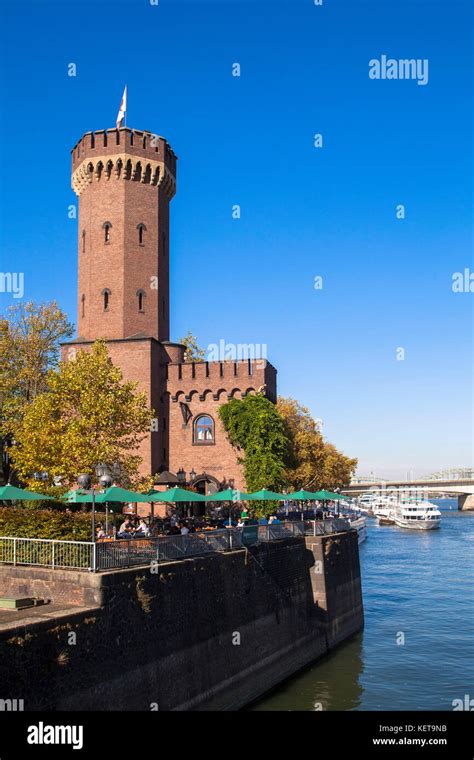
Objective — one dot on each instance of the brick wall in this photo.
(124, 198)
(62, 587)
(203, 388)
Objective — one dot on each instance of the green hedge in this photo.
(24, 522)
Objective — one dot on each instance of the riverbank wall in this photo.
(466, 502)
(213, 632)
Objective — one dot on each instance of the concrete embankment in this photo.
(210, 632)
(466, 502)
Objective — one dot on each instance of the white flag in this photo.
(123, 108)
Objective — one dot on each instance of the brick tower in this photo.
(125, 180)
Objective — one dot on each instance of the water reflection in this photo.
(333, 683)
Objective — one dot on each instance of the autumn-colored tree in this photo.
(87, 415)
(30, 338)
(193, 352)
(307, 444)
(314, 464)
(338, 468)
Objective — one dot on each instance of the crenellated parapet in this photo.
(123, 155)
(221, 380)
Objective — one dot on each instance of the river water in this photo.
(417, 648)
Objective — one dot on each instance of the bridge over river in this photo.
(462, 488)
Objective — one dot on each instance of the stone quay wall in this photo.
(206, 633)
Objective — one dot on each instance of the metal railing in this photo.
(274, 531)
(106, 555)
(326, 527)
(129, 552)
(46, 552)
(141, 551)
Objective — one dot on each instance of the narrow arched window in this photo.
(203, 430)
(141, 233)
(141, 300)
(107, 227)
(106, 298)
(83, 305)
(83, 241)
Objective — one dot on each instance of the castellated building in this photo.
(125, 180)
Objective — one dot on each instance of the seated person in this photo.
(125, 530)
(142, 529)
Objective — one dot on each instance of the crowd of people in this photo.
(134, 526)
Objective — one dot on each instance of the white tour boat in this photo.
(383, 505)
(416, 515)
(377, 504)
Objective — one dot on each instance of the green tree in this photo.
(87, 415)
(193, 352)
(255, 427)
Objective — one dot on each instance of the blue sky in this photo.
(305, 212)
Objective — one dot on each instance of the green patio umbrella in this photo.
(11, 493)
(175, 495)
(228, 495)
(265, 495)
(304, 495)
(121, 495)
(328, 496)
(77, 496)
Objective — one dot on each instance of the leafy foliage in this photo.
(30, 337)
(282, 447)
(30, 344)
(314, 463)
(24, 522)
(254, 425)
(193, 352)
(88, 415)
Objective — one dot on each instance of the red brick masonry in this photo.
(126, 179)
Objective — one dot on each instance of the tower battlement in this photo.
(129, 154)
